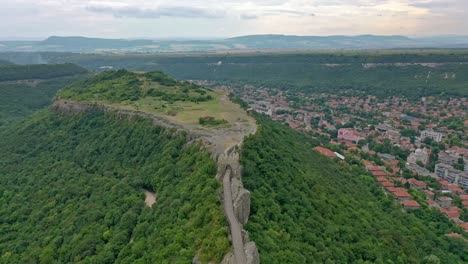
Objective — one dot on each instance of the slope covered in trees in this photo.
(21, 97)
(5, 62)
(38, 71)
(445, 72)
(307, 208)
(71, 191)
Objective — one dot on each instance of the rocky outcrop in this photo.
(251, 252)
(245, 251)
(242, 206)
(70, 107)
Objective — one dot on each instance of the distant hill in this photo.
(252, 42)
(4, 62)
(86, 44)
(324, 42)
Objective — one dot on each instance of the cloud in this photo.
(158, 12)
(248, 16)
(289, 12)
(134, 18)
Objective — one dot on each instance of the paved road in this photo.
(236, 230)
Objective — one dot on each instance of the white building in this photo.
(436, 136)
(452, 175)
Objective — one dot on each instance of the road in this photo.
(236, 230)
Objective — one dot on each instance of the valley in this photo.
(202, 175)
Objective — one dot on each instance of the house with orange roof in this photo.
(464, 226)
(401, 194)
(429, 194)
(444, 201)
(420, 185)
(381, 179)
(431, 203)
(325, 151)
(387, 184)
(455, 189)
(452, 215)
(410, 205)
(444, 184)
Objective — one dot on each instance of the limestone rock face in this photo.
(242, 206)
(196, 260)
(228, 259)
(251, 252)
(236, 187)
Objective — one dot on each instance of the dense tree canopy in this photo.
(21, 97)
(39, 71)
(308, 72)
(71, 191)
(307, 208)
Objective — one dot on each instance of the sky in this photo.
(37, 19)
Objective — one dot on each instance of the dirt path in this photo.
(150, 198)
(235, 227)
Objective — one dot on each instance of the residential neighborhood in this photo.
(416, 151)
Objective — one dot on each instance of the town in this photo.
(415, 149)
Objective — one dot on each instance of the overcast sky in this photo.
(228, 18)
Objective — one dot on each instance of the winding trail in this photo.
(236, 229)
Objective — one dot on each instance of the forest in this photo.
(38, 71)
(22, 97)
(71, 191)
(307, 208)
(445, 74)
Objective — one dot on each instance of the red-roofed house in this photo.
(464, 226)
(401, 194)
(444, 201)
(381, 179)
(444, 184)
(400, 180)
(431, 203)
(453, 215)
(417, 184)
(410, 205)
(455, 189)
(379, 173)
(325, 151)
(387, 184)
(349, 134)
(429, 194)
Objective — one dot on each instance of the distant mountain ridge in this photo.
(268, 42)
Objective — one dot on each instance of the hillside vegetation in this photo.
(38, 71)
(308, 72)
(5, 62)
(154, 93)
(71, 191)
(307, 208)
(21, 97)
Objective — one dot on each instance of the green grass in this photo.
(155, 93)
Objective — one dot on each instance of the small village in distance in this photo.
(416, 149)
